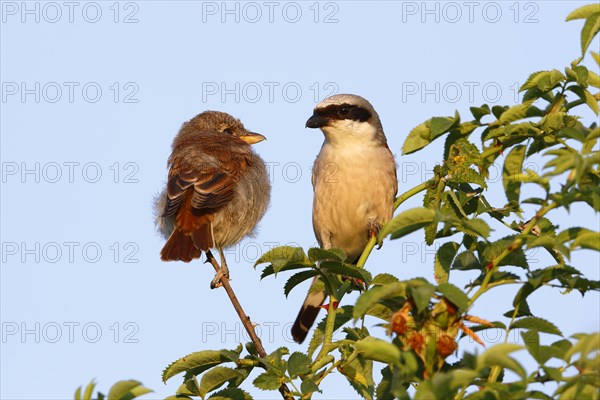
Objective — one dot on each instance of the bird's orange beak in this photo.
(251, 137)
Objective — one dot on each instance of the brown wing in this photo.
(211, 188)
(194, 195)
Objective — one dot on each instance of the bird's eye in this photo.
(228, 131)
(344, 111)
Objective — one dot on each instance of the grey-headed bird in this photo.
(217, 190)
(354, 181)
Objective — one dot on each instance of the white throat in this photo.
(351, 133)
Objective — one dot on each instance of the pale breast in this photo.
(353, 188)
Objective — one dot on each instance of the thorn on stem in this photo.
(335, 305)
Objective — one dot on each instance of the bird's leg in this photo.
(222, 270)
(216, 282)
(224, 267)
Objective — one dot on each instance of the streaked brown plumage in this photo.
(218, 188)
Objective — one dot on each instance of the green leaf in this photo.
(217, 377)
(499, 355)
(375, 349)
(571, 233)
(375, 294)
(386, 308)
(467, 175)
(543, 80)
(554, 374)
(407, 222)
(586, 96)
(593, 79)
(537, 324)
(298, 364)
(337, 268)
(308, 386)
(89, 391)
(441, 125)
(443, 383)
(269, 270)
(359, 373)
(454, 295)
(590, 141)
(480, 112)
(199, 362)
(384, 388)
(474, 227)
(355, 334)
(189, 388)
(318, 254)
(498, 111)
(513, 165)
(127, 390)
(530, 176)
(383, 279)
(531, 338)
(565, 159)
(466, 260)
(421, 292)
(267, 381)
(493, 250)
(551, 245)
(590, 29)
(584, 12)
(561, 347)
(280, 257)
(454, 200)
(297, 279)
(580, 74)
(418, 138)
(518, 112)
(230, 394)
(587, 240)
(585, 344)
(274, 361)
(443, 260)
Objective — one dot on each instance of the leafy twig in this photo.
(283, 389)
(493, 266)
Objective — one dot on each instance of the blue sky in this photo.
(92, 95)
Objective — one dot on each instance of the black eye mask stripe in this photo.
(355, 113)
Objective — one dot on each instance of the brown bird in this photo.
(217, 191)
(354, 181)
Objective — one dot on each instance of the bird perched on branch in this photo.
(217, 191)
(354, 181)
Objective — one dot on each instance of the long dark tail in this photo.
(308, 313)
(186, 247)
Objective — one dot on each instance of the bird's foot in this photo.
(373, 228)
(223, 272)
(216, 282)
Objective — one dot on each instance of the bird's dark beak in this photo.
(316, 121)
(251, 137)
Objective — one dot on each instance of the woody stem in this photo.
(283, 389)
